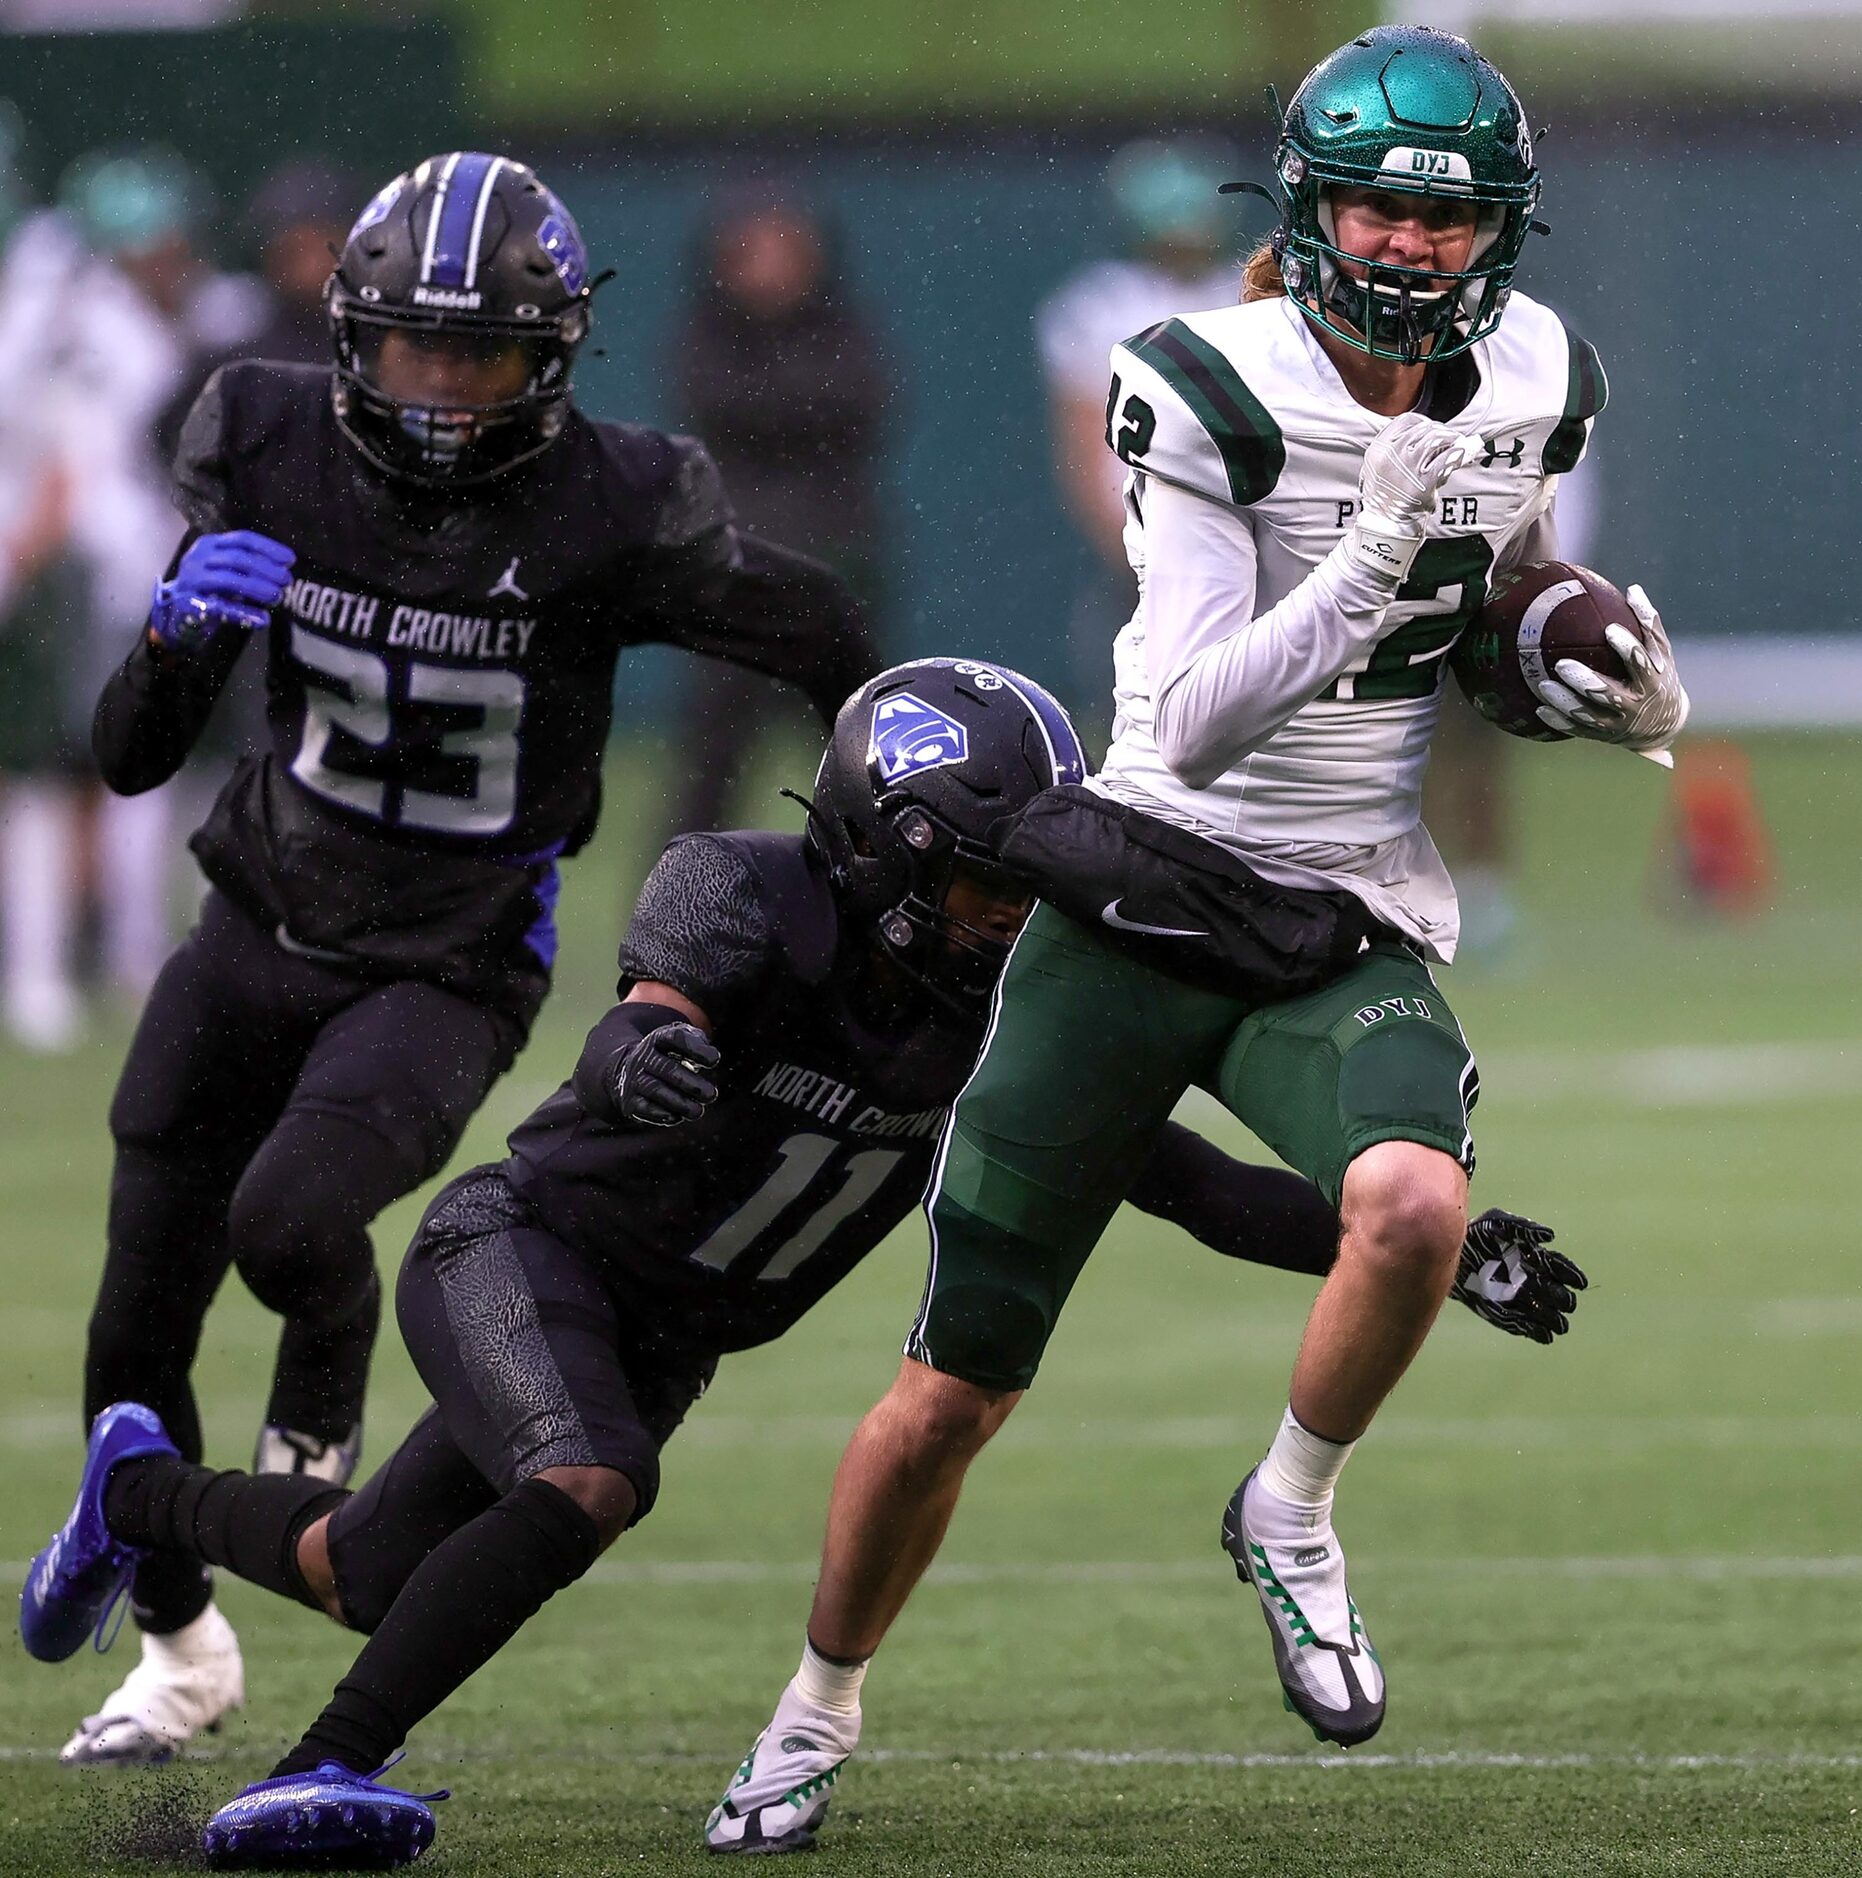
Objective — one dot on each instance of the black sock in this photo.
(169, 1590)
(463, 1603)
(249, 1523)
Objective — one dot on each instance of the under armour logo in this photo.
(1495, 454)
(507, 583)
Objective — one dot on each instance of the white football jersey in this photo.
(1242, 408)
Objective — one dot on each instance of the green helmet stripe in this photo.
(1239, 424)
(1587, 391)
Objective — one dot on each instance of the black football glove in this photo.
(1510, 1276)
(660, 1081)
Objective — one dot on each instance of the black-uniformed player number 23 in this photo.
(807, 1166)
(457, 779)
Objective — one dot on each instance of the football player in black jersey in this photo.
(448, 557)
(753, 1117)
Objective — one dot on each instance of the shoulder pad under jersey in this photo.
(719, 910)
(1180, 411)
(673, 476)
(246, 409)
(1587, 391)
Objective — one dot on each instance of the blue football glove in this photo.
(234, 579)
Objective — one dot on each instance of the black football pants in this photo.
(270, 1107)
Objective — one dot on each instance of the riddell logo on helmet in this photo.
(448, 297)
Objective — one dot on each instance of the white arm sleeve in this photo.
(1223, 681)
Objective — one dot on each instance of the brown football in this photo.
(1536, 615)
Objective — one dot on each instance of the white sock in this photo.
(135, 854)
(1301, 1467)
(829, 1685)
(38, 890)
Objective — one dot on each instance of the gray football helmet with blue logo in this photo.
(929, 765)
(468, 252)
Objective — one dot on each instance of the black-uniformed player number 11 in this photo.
(800, 1162)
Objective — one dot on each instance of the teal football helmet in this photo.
(1417, 112)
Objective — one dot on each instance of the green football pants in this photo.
(1088, 1054)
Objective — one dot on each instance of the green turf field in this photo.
(1615, 1583)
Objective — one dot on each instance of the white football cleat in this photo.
(184, 1685)
(1330, 1675)
(780, 1795)
(287, 1451)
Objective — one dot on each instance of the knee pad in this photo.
(299, 1255)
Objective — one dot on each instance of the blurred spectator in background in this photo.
(41, 619)
(781, 378)
(297, 220)
(1180, 255)
(300, 217)
(143, 303)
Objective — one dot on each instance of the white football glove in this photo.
(1644, 715)
(1405, 466)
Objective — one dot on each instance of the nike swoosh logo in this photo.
(1113, 917)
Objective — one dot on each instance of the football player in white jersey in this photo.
(1322, 481)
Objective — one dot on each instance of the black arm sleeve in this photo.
(1264, 1215)
(712, 589)
(154, 706)
(621, 1029)
(156, 703)
(699, 926)
(782, 613)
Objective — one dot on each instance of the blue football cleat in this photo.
(76, 1580)
(331, 1817)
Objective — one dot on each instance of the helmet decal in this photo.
(557, 237)
(910, 736)
(380, 207)
(1440, 168)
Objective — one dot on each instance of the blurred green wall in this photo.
(606, 62)
(241, 99)
(1704, 252)
(1701, 264)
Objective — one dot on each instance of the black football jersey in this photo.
(440, 671)
(824, 1131)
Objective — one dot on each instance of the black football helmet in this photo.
(928, 765)
(471, 254)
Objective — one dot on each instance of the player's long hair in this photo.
(1260, 276)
